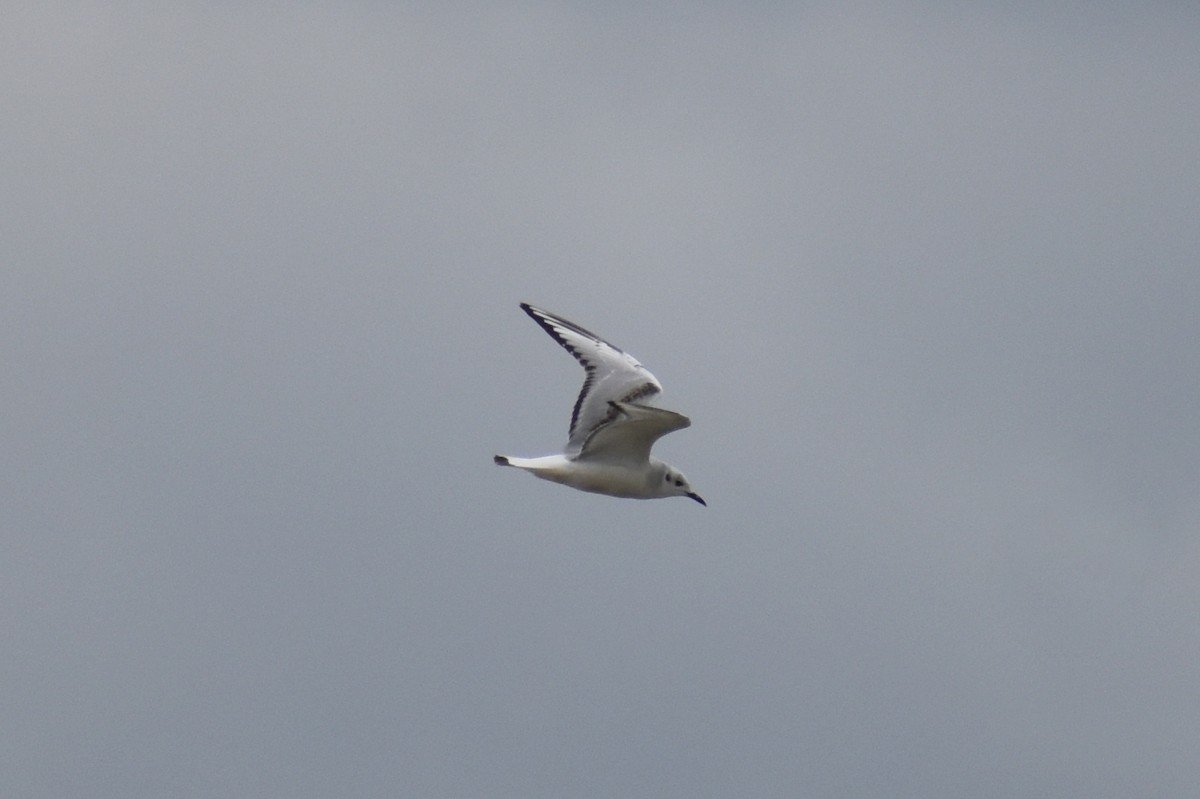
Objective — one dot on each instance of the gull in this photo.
(612, 429)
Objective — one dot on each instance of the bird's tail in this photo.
(532, 464)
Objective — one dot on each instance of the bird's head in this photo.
(677, 485)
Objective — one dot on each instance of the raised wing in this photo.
(631, 433)
(612, 376)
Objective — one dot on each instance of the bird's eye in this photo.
(678, 482)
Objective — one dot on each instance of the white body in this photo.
(599, 477)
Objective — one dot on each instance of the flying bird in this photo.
(612, 427)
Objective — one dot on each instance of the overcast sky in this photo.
(925, 277)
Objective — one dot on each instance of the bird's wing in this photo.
(628, 437)
(612, 376)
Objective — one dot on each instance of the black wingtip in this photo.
(500, 460)
(548, 320)
(534, 313)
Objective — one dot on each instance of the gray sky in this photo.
(925, 278)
